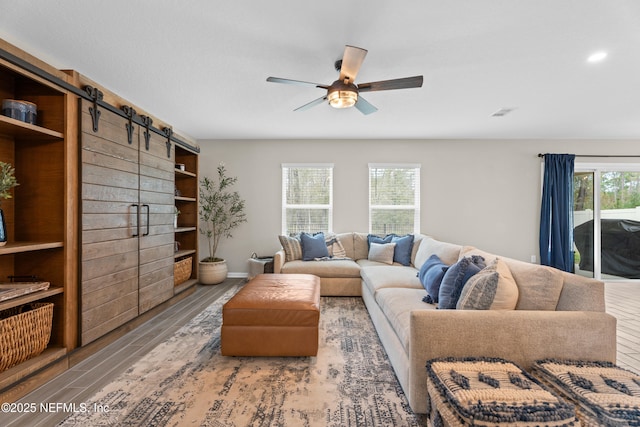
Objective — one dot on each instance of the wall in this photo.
(476, 192)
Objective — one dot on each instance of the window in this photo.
(307, 198)
(394, 198)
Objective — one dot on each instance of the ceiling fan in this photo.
(344, 92)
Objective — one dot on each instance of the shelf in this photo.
(24, 369)
(34, 296)
(9, 126)
(17, 247)
(185, 174)
(184, 229)
(184, 252)
(185, 199)
(184, 286)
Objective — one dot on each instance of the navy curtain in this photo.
(556, 219)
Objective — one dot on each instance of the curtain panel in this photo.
(556, 219)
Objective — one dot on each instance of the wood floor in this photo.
(80, 382)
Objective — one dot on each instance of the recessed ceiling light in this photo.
(597, 56)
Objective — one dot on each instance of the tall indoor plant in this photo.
(7, 182)
(221, 211)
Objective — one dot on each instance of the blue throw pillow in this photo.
(404, 246)
(431, 274)
(455, 278)
(313, 246)
(372, 238)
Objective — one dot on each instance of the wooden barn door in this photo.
(127, 234)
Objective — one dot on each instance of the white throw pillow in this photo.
(382, 252)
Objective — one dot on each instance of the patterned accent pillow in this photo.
(292, 247)
(334, 247)
(455, 278)
(381, 252)
(492, 288)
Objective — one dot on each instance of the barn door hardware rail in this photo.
(96, 95)
(130, 113)
(146, 122)
(168, 132)
(82, 93)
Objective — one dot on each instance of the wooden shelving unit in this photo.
(186, 200)
(47, 240)
(41, 217)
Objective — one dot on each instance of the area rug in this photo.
(185, 381)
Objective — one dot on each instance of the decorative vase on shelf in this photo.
(3, 229)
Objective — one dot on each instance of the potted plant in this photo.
(7, 182)
(221, 211)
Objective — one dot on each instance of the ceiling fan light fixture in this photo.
(342, 98)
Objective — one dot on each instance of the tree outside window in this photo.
(307, 198)
(394, 199)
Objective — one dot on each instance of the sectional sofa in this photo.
(556, 314)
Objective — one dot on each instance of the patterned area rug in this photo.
(185, 381)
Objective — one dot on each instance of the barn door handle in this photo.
(148, 218)
(137, 225)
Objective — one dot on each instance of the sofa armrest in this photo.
(521, 336)
(278, 261)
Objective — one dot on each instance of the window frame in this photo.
(416, 203)
(285, 205)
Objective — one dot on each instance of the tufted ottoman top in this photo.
(604, 394)
(491, 392)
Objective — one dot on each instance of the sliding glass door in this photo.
(607, 221)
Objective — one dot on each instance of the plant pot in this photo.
(212, 273)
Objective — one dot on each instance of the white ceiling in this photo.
(202, 65)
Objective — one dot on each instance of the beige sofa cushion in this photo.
(417, 239)
(360, 246)
(539, 286)
(397, 305)
(329, 268)
(390, 276)
(346, 240)
(449, 253)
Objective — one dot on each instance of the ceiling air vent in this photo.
(502, 112)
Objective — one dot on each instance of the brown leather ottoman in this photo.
(273, 315)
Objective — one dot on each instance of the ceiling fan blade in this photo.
(405, 83)
(311, 104)
(295, 82)
(351, 62)
(364, 106)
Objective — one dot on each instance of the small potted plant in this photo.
(221, 211)
(7, 182)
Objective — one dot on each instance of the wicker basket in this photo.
(181, 271)
(24, 332)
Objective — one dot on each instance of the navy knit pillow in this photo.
(455, 278)
(431, 274)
